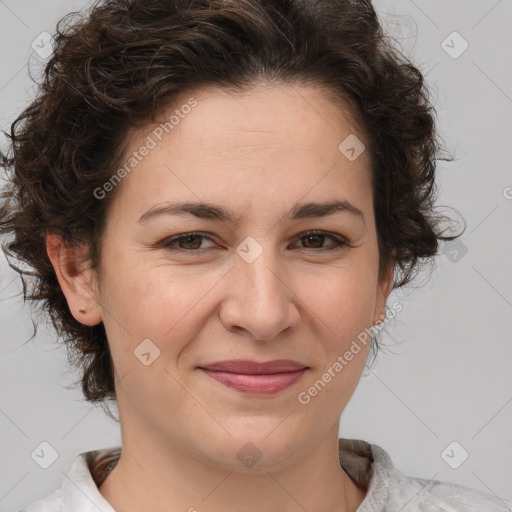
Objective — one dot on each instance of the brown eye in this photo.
(315, 239)
(188, 242)
(191, 242)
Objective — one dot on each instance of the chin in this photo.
(256, 450)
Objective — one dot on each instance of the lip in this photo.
(253, 367)
(253, 377)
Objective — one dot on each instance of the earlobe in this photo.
(76, 279)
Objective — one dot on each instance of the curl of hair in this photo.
(122, 62)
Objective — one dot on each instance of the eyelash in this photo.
(166, 244)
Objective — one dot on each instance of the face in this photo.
(180, 291)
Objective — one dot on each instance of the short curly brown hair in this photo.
(117, 65)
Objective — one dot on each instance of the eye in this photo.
(191, 242)
(188, 242)
(314, 238)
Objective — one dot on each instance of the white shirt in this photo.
(388, 489)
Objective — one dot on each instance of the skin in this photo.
(257, 153)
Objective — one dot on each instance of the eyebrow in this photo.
(215, 212)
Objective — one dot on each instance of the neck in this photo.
(149, 477)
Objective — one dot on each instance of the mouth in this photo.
(257, 378)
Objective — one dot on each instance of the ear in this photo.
(76, 279)
(384, 287)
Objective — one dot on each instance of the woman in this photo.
(217, 198)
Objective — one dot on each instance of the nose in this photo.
(259, 299)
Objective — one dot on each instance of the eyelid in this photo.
(337, 237)
(340, 242)
(167, 242)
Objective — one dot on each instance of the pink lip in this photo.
(253, 377)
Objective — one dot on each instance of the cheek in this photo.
(158, 302)
(341, 298)
(340, 310)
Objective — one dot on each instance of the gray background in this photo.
(446, 377)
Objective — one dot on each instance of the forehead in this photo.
(289, 114)
(273, 141)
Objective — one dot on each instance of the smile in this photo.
(256, 383)
(257, 378)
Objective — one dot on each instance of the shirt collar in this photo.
(80, 490)
(370, 467)
(367, 464)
